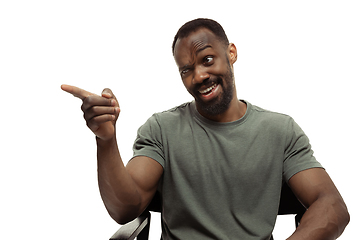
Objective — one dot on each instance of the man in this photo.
(218, 162)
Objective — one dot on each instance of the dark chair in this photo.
(139, 227)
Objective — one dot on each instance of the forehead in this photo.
(188, 47)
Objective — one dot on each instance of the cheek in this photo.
(187, 83)
(190, 87)
(221, 68)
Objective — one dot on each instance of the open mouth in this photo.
(208, 90)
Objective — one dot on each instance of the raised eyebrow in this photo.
(196, 52)
(203, 48)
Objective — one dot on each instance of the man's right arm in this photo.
(126, 191)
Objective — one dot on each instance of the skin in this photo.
(125, 191)
(202, 60)
(201, 56)
(327, 215)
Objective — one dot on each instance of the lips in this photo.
(207, 94)
(208, 90)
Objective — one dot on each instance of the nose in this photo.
(200, 75)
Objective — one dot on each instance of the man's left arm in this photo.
(327, 214)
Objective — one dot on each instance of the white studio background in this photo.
(296, 57)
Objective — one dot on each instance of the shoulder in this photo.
(178, 109)
(170, 117)
(278, 124)
(263, 115)
(175, 113)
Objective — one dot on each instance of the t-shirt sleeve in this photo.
(298, 153)
(149, 141)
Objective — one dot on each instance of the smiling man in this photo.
(218, 162)
(205, 65)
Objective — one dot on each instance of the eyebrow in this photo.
(203, 48)
(184, 67)
(196, 52)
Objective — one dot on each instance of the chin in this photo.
(217, 106)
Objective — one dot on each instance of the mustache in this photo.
(208, 82)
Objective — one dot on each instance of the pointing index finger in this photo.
(77, 92)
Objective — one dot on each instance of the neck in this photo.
(236, 110)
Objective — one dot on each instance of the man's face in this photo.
(206, 70)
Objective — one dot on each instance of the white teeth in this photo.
(208, 89)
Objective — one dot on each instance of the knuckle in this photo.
(87, 116)
(88, 124)
(90, 100)
(91, 124)
(86, 103)
(94, 109)
(83, 107)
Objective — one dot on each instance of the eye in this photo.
(185, 71)
(208, 60)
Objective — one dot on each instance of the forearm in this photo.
(325, 219)
(117, 188)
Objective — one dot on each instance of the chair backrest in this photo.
(156, 203)
(289, 204)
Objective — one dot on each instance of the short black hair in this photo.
(196, 24)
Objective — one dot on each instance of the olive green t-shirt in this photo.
(222, 180)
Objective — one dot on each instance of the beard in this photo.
(221, 103)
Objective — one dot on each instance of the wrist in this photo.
(105, 143)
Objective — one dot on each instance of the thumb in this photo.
(107, 93)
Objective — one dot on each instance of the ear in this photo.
(232, 53)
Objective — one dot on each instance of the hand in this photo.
(100, 112)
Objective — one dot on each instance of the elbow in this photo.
(116, 217)
(336, 215)
(123, 219)
(346, 218)
(122, 212)
(123, 216)
(343, 217)
(343, 222)
(346, 215)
